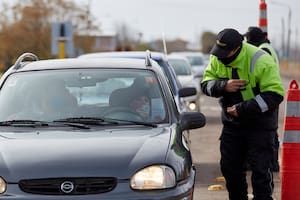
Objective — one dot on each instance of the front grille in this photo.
(71, 186)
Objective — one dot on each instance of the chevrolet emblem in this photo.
(221, 44)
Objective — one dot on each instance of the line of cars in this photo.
(186, 77)
(95, 128)
(189, 67)
(197, 60)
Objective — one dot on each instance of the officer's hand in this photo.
(234, 85)
(232, 111)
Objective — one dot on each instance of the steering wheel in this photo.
(122, 113)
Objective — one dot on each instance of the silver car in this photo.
(186, 77)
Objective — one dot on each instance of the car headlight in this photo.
(153, 177)
(192, 106)
(2, 185)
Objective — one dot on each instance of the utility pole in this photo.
(289, 25)
(88, 20)
(283, 48)
(289, 32)
(296, 45)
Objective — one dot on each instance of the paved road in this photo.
(205, 151)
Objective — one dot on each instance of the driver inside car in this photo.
(141, 105)
(135, 98)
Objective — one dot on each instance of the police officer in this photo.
(257, 37)
(249, 86)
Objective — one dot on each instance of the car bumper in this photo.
(183, 191)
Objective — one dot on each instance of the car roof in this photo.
(85, 63)
(177, 57)
(131, 54)
(187, 53)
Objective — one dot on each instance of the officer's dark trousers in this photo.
(239, 144)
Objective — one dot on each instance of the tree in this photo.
(127, 38)
(26, 26)
(207, 41)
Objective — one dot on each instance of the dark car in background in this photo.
(91, 129)
(161, 59)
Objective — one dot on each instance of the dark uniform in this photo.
(248, 83)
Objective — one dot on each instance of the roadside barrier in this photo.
(290, 170)
(263, 22)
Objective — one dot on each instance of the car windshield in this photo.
(195, 60)
(119, 94)
(180, 67)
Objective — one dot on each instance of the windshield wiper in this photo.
(88, 120)
(135, 122)
(32, 123)
(36, 123)
(77, 125)
(101, 121)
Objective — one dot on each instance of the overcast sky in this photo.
(187, 19)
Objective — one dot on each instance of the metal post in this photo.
(296, 45)
(61, 48)
(289, 25)
(283, 53)
(289, 32)
(61, 41)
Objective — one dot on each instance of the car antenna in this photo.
(164, 43)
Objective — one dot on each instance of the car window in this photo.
(181, 67)
(109, 93)
(195, 60)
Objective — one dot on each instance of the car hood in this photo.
(110, 153)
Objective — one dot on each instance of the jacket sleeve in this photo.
(214, 88)
(211, 84)
(263, 102)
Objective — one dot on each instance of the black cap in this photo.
(254, 35)
(227, 40)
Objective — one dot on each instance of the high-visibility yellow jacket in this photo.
(258, 103)
(267, 47)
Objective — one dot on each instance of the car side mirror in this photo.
(187, 91)
(192, 120)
